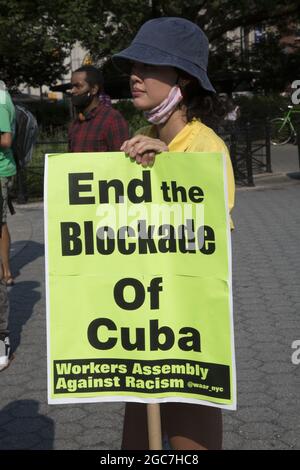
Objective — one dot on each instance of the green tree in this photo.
(36, 36)
(30, 48)
(113, 23)
(217, 17)
(276, 65)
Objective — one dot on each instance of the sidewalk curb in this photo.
(265, 181)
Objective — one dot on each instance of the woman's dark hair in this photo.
(200, 104)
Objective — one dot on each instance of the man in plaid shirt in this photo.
(98, 127)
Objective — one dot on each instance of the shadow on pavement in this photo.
(28, 251)
(22, 298)
(23, 295)
(23, 427)
(295, 175)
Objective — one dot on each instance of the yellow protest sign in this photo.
(138, 266)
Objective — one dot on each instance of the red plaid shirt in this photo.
(103, 129)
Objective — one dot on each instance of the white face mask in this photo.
(163, 111)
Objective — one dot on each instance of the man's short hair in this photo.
(94, 76)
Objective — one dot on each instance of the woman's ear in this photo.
(183, 82)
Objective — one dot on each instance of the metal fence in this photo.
(298, 141)
(250, 150)
(249, 145)
(29, 181)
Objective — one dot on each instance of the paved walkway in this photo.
(266, 261)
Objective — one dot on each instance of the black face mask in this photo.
(82, 101)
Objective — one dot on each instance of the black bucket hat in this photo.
(175, 42)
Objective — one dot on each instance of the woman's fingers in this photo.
(148, 159)
(155, 146)
(143, 149)
(133, 146)
(130, 143)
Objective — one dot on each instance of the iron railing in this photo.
(249, 145)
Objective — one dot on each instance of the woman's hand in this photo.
(143, 149)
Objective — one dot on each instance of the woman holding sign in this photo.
(167, 63)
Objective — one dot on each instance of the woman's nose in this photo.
(135, 77)
(137, 71)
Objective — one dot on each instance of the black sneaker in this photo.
(4, 353)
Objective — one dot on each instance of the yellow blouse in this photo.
(197, 137)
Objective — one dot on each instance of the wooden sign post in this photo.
(154, 426)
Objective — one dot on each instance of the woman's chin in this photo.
(140, 104)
